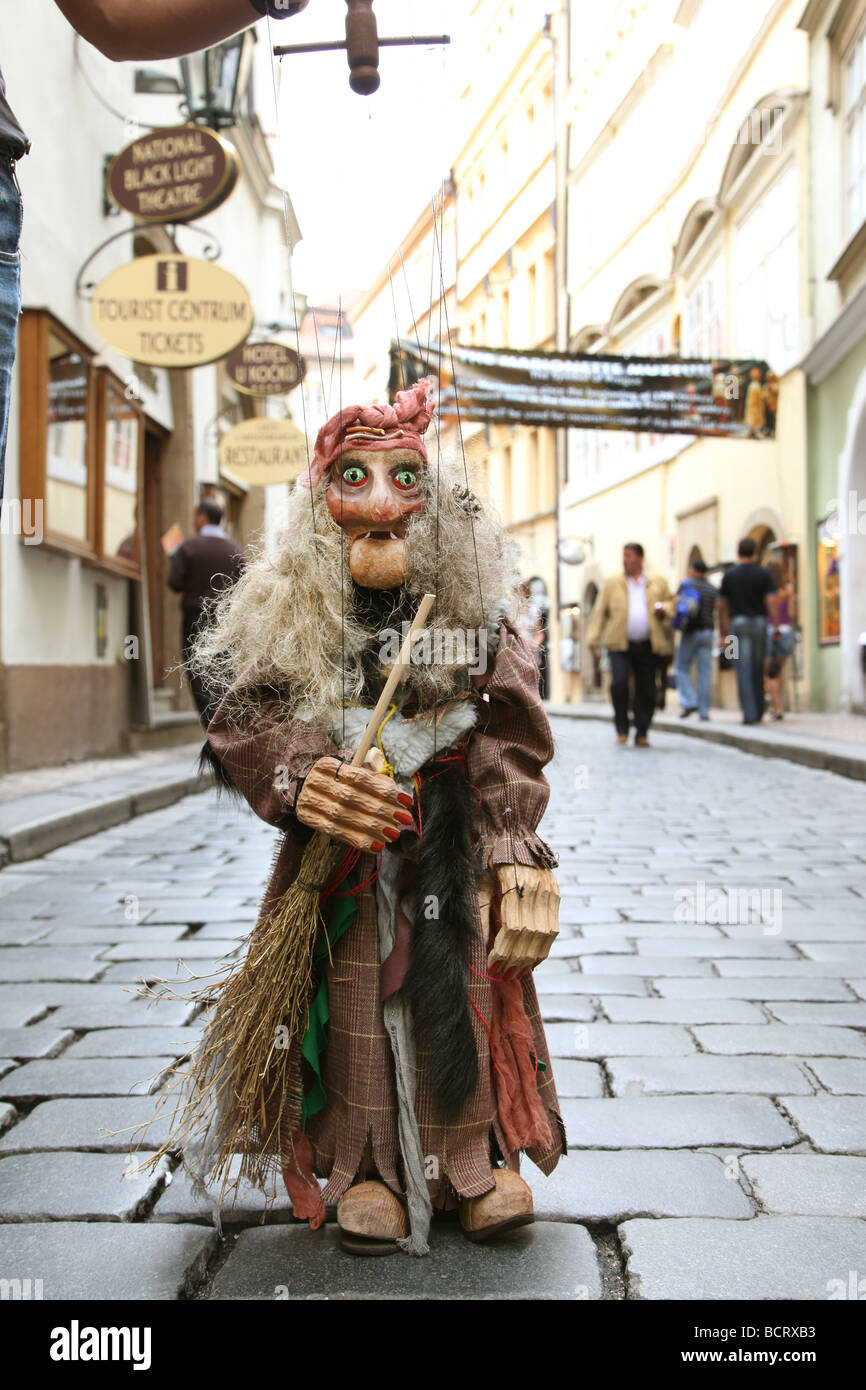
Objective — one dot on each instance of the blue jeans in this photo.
(11, 216)
(751, 635)
(695, 646)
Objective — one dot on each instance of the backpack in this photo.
(688, 609)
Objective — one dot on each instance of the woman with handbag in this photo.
(781, 615)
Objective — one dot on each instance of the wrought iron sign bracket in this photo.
(211, 251)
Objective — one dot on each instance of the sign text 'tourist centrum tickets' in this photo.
(172, 311)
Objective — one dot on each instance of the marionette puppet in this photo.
(383, 1030)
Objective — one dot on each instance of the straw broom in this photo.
(245, 1077)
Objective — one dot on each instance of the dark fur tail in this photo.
(442, 935)
(208, 762)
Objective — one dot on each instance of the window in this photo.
(81, 447)
(68, 426)
(766, 277)
(120, 483)
(705, 314)
(854, 95)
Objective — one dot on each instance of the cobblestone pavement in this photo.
(712, 1067)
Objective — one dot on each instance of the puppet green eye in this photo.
(405, 478)
(355, 475)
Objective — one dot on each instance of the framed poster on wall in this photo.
(827, 557)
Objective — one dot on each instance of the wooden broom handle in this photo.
(397, 676)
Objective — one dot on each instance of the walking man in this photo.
(200, 569)
(743, 613)
(696, 642)
(632, 619)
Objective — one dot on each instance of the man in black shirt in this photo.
(121, 29)
(742, 609)
(696, 644)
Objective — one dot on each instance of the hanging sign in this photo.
(172, 311)
(174, 174)
(264, 369)
(574, 390)
(262, 451)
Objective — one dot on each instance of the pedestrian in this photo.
(121, 29)
(663, 666)
(421, 1072)
(632, 619)
(696, 599)
(781, 615)
(201, 568)
(743, 613)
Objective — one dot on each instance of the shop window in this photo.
(67, 442)
(81, 447)
(120, 482)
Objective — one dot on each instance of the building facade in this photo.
(686, 193)
(836, 363)
(104, 455)
(480, 263)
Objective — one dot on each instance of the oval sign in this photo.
(174, 174)
(172, 311)
(263, 451)
(264, 369)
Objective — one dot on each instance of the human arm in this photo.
(508, 749)
(724, 608)
(597, 620)
(177, 570)
(665, 602)
(154, 29)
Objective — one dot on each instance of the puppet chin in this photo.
(378, 564)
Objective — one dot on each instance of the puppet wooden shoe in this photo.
(371, 1219)
(507, 1206)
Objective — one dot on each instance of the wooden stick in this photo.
(397, 676)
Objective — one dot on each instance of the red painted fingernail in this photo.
(391, 834)
(403, 818)
(405, 799)
(376, 847)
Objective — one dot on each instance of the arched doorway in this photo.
(764, 537)
(852, 554)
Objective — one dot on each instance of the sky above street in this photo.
(360, 170)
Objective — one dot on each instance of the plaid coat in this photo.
(267, 760)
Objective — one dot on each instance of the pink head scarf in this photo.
(397, 426)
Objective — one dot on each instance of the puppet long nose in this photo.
(382, 507)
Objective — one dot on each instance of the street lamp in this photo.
(215, 79)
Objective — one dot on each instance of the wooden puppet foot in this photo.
(371, 1219)
(506, 1206)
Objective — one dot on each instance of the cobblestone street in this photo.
(711, 1067)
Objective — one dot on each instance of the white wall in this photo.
(48, 600)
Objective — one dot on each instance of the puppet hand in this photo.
(353, 805)
(530, 923)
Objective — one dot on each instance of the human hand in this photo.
(529, 923)
(353, 805)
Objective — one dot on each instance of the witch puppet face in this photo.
(373, 459)
(371, 497)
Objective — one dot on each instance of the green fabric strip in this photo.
(340, 919)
